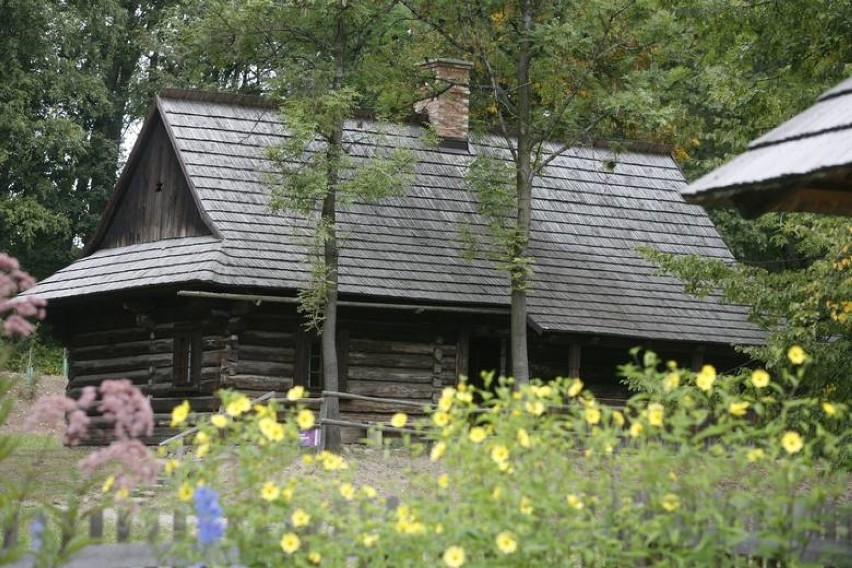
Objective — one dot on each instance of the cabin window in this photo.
(315, 381)
(308, 369)
(186, 370)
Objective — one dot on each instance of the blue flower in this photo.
(211, 524)
(36, 532)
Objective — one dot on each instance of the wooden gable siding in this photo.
(156, 203)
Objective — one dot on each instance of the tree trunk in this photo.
(523, 179)
(331, 377)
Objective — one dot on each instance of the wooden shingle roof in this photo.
(587, 222)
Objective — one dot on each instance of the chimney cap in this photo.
(448, 62)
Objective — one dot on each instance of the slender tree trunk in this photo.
(331, 253)
(523, 178)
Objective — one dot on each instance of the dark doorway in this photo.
(486, 354)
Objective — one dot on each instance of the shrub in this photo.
(537, 475)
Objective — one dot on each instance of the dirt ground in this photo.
(25, 397)
(388, 470)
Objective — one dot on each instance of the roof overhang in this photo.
(805, 164)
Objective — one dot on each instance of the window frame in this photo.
(187, 353)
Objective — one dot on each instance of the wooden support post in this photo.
(96, 524)
(574, 360)
(323, 426)
(10, 533)
(122, 528)
(179, 525)
(698, 358)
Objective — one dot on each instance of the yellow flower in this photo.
(290, 543)
(655, 414)
(441, 418)
(670, 502)
(179, 414)
(446, 400)
(464, 396)
(506, 543)
(368, 491)
(500, 454)
(439, 528)
(759, 378)
(399, 420)
(438, 451)
(575, 388)
(497, 493)
(185, 492)
(314, 558)
(219, 420)
(671, 382)
(300, 518)
(443, 481)
(796, 355)
(108, 483)
(636, 429)
(347, 491)
(296, 393)
(592, 414)
(305, 419)
(535, 407)
(545, 391)
(238, 406)
(454, 557)
(369, 540)
(706, 378)
(574, 501)
(270, 491)
(263, 411)
(829, 409)
(792, 442)
(618, 418)
(477, 434)
(271, 429)
(523, 438)
(171, 466)
(202, 450)
(332, 462)
(755, 454)
(202, 438)
(738, 408)
(525, 506)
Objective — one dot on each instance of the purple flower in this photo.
(211, 524)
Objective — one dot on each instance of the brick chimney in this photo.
(449, 111)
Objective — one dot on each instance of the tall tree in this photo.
(324, 61)
(67, 69)
(558, 73)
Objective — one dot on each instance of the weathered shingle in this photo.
(587, 221)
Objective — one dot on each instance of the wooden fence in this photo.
(830, 542)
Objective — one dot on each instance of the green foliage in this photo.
(47, 356)
(537, 475)
(746, 67)
(808, 306)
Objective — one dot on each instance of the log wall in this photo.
(262, 352)
(139, 345)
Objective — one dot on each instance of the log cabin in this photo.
(190, 283)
